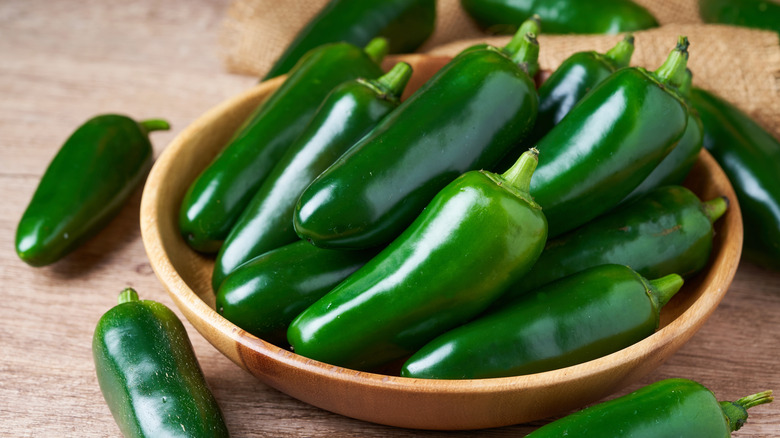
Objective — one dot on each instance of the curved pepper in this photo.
(750, 157)
(406, 24)
(466, 117)
(610, 142)
(265, 294)
(149, 374)
(667, 231)
(760, 14)
(478, 235)
(347, 114)
(576, 319)
(672, 407)
(220, 193)
(85, 186)
(561, 16)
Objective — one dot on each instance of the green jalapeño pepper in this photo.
(760, 14)
(576, 319)
(561, 16)
(406, 24)
(85, 186)
(219, 195)
(667, 408)
(265, 294)
(750, 156)
(667, 231)
(610, 142)
(149, 374)
(346, 115)
(464, 118)
(478, 235)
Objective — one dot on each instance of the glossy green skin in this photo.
(149, 374)
(265, 294)
(474, 239)
(750, 156)
(561, 16)
(405, 23)
(665, 232)
(84, 187)
(605, 147)
(465, 118)
(573, 320)
(761, 14)
(668, 408)
(219, 195)
(348, 113)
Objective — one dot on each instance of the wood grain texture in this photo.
(66, 61)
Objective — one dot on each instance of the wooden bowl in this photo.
(392, 400)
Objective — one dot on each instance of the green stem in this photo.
(523, 48)
(394, 81)
(736, 412)
(154, 125)
(672, 71)
(687, 84)
(127, 295)
(715, 208)
(664, 288)
(622, 52)
(377, 49)
(519, 175)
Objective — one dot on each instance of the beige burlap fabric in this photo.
(742, 65)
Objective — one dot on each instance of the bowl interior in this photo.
(388, 399)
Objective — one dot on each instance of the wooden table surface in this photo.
(61, 62)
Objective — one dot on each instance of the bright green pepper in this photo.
(219, 195)
(578, 318)
(464, 118)
(149, 374)
(561, 16)
(610, 142)
(478, 235)
(667, 231)
(760, 14)
(85, 186)
(347, 114)
(668, 408)
(750, 157)
(265, 294)
(406, 24)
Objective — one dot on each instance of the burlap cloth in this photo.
(741, 65)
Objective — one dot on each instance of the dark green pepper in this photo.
(464, 118)
(668, 408)
(478, 235)
(219, 195)
(750, 156)
(406, 24)
(561, 16)
(576, 319)
(265, 294)
(346, 115)
(667, 231)
(760, 14)
(85, 186)
(149, 374)
(610, 142)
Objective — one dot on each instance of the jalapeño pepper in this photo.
(220, 193)
(346, 115)
(760, 14)
(406, 24)
(668, 408)
(466, 117)
(576, 319)
(149, 375)
(478, 235)
(85, 186)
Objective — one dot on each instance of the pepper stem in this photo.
(394, 81)
(664, 288)
(127, 295)
(622, 52)
(736, 412)
(523, 48)
(154, 125)
(377, 49)
(715, 208)
(672, 71)
(519, 175)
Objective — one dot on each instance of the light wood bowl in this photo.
(392, 400)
